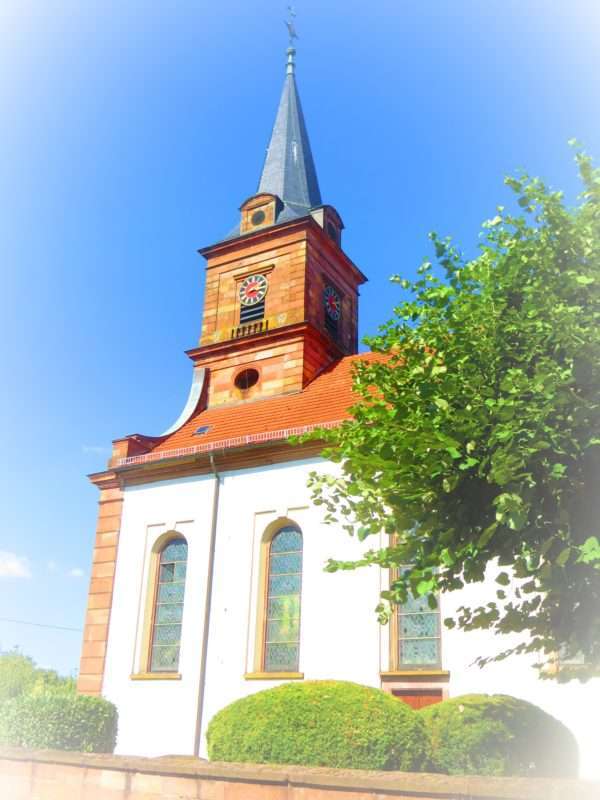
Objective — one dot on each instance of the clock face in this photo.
(332, 302)
(253, 290)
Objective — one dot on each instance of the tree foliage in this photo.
(19, 675)
(476, 441)
(40, 708)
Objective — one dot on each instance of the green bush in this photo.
(481, 734)
(320, 723)
(60, 721)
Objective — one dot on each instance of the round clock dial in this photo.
(253, 290)
(332, 302)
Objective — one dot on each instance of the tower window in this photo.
(331, 325)
(246, 379)
(252, 313)
(258, 217)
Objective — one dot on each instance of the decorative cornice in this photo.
(223, 444)
(108, 479)
(295, 329)
(267, 234)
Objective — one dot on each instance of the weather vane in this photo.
(289, 23)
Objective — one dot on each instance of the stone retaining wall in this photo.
(53, 775)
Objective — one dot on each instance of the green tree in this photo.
(476, 441)
(19, 676)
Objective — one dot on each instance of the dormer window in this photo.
(259, 211)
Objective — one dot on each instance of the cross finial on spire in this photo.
(291, 51)
(289, 23)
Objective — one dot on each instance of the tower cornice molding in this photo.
(297, 330)
(271, 234)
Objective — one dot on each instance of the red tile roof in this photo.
(323, 403)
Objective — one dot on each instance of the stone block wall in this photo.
(50, 775)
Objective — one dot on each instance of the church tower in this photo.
(281, 295)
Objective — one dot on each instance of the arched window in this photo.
(417, 635)
(283, 585)
(165, 636)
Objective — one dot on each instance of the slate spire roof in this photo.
(289, 169)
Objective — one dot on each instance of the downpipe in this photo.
(207, 604)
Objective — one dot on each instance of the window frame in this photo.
(260, 659)
(152, 607)
(396, 665)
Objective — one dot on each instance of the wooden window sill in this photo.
(274, 676)
(415, 673)
(156, 676)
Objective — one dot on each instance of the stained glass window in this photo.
(284, 580)
(418, 634)
(168, 607)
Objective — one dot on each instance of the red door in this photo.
(418, 698)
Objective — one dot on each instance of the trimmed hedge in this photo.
(59, 721)
(320, 723)
(481, 734)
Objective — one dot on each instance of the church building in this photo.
(207, 576)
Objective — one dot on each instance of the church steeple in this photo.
(281, 301)
(289, 170)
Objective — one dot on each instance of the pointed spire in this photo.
(289, 169)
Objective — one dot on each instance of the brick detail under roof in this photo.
(97, 619)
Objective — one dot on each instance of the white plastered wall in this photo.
(340, 636)
(157, 717)
(339, 633)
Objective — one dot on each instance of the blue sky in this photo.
(130, 134)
